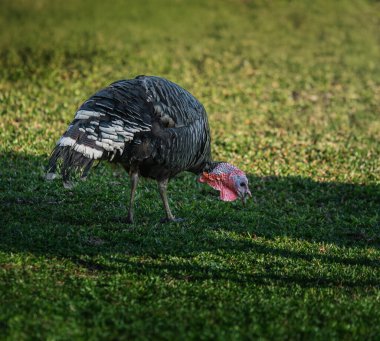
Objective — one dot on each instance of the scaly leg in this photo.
(162, 187)
(134, 182)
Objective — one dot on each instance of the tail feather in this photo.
(73, 162)
(74, 153)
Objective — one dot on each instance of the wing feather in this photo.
(108, 120)
(106, 124)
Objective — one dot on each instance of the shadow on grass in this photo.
(84, 225)
(197, 273)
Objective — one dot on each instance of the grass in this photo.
(293, 95)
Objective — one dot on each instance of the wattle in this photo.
(227, 195)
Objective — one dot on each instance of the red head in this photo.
(229, 180)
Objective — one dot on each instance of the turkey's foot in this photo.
(172, 220)
(124, 220)
(128, 220)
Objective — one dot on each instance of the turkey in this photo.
(154, 129)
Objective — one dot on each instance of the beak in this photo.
(245, 196)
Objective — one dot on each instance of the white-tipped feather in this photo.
(81, 117)
(109, 130)
(66, 141)
(104, 145)
(88, 151)
(80, 148)
(127, 135)
(108, 136)
(85, 114)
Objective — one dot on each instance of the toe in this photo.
(172, 220)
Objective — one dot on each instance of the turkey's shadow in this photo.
(85, 224)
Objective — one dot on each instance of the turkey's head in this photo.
(229, 180)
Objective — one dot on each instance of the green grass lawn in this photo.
(292, 89)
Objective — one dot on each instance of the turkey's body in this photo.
(150, 125)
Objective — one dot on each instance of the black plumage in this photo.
(151, 126)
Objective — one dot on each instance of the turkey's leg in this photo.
(162, 187)
(134, 182)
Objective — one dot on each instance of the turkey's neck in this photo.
(207, 167)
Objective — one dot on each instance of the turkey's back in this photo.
(147, 123)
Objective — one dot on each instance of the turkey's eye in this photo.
(242, 184)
